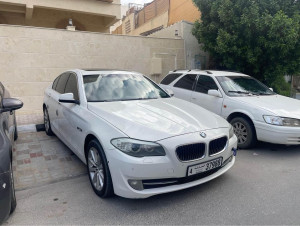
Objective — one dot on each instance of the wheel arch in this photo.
(243, 115)
(87, 140)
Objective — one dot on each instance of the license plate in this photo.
(203, 167)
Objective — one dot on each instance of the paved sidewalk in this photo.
(39, 159)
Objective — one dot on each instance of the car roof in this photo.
(107, 71)
(209, 72)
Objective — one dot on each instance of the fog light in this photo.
(136, 184)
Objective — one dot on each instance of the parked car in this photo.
(253, 109)
(8, 133)
(136, 140)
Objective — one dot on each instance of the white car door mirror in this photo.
(214, 93)
(67, 98)
(170, 92)
(271, 89)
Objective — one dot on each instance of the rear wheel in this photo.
(98, 170)
(245, 132)
(13, 194)
(47, 123)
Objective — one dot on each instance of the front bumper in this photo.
(277, 134)
(166, 168)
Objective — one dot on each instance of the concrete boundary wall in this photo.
(31, 58)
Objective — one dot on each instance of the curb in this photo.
(31, 128)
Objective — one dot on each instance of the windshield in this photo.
(243, 85)
(120, 87)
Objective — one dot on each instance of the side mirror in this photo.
(271, 89)
(67, 98)
(170, 92)
(214, 93)
(11, 104)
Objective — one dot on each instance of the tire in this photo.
(98, 170)
(47, 123)
(16, 130)
(245, 132)
(13, 202)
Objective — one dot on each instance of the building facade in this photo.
(157, 15)
(86, 15)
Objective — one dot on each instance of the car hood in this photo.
(279, 105)
(157, 119)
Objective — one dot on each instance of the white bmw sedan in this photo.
(136, 140)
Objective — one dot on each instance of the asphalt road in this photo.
(262, 188)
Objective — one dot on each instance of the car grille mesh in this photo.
(217, 145)
(190, 152)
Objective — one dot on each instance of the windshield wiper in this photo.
(139, 99)
(239, 92)
(267, 94)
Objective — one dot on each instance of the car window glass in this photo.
(205, 83)
(243, 85)
(170, 78)
(71, 86)
(55, 83)
(120, 87)
(61, 85)
(186, 82)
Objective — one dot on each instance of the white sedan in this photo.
(253, 109)
(136, 140)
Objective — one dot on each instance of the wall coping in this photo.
(85, 32)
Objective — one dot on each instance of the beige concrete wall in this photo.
(30, 58)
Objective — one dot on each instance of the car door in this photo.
(200, 95)
(183, 87)
(53, 103)
(7, 117)
(70, 121)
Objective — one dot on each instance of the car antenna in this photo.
(209, 72)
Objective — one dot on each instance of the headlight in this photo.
(281, 121)
(138, 148)
(231, 133)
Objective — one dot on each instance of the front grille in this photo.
(190, 152)
(217, 145)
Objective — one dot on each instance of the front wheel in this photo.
(47, 123)
(98, 170)
(245, 132)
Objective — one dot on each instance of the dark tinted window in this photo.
(186, 82)
(71, 86)
(55, 83)
(60, 88)
(205, 83)
(170, 78)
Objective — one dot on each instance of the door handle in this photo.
(193, 98)
(56, 112)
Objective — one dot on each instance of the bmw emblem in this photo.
(202, 134)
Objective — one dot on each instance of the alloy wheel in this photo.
(240, 131)
(95, 166)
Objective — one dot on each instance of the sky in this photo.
(124, 2)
